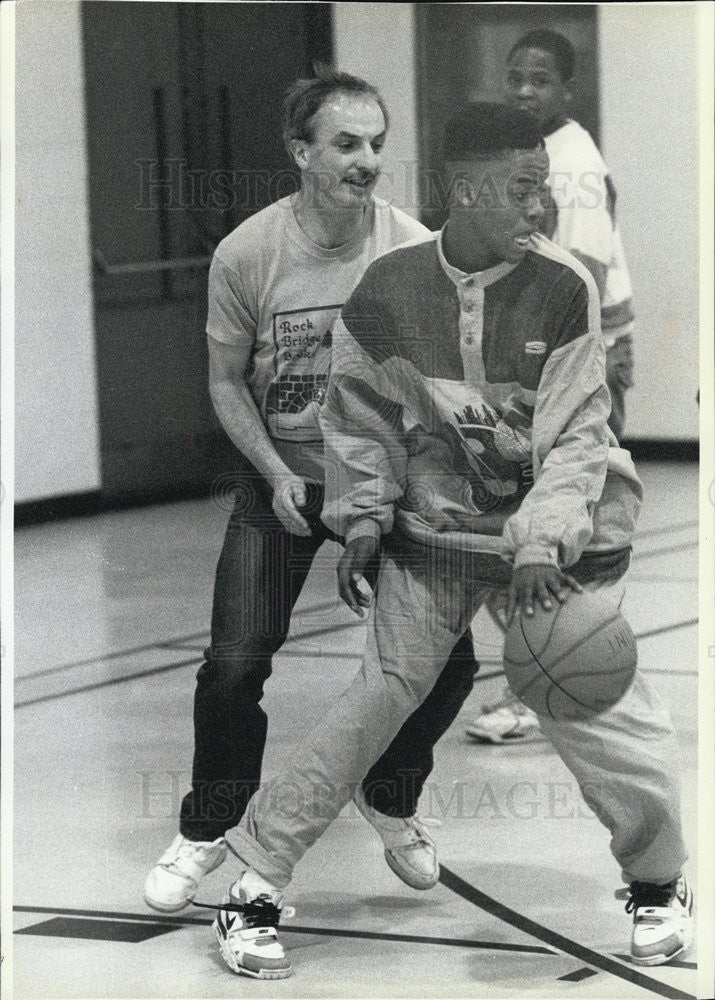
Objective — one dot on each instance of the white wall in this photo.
(377, 42)
(649, 115)
(56, 434)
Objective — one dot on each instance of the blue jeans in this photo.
(260, 574)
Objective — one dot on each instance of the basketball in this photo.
(572, 662)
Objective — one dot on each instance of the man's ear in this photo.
(463, 191)
(299, 152)
(568, 94)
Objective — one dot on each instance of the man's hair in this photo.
(304, 99)
(482, 129)
(550, 41)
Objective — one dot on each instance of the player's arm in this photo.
(365, 459)
(571, 440)
(231, 337)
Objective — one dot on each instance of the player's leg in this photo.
(413, 625)
(394, 783)
(411, 630)
(625, 761)
(507, 720)
(259, 576)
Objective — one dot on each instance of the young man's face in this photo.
(342, 164)
(534, 84)
(501, 203)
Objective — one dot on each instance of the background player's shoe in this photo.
(172, 883)
(245, 929)
(663, 924)
(507, 721)
(409, 850)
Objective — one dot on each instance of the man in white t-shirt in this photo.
(540, 67)
(276, 285)
(581, 219)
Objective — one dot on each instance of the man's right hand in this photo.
(289, 494)
(351, 570)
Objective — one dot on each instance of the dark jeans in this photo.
(260, 574)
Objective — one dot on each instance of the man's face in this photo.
(533, 84)
(342, 163)
(502, 201)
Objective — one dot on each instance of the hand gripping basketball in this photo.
(572, 662)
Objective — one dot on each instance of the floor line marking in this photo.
(318, 931)
(666, 529)
(639, 556)
(314, 655)
(324, 605)
(667, 628)
(108, 683)
(556, 940)
(147, 648)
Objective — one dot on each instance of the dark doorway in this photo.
(461, 52)
(183, 122)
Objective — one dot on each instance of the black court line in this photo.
(665, 530)
(84, 929)
(640, 556)
(175, 922)
(314, 655)
(577, 975)
(558, 941)
(667, 628)
(147, 647)
(108, 683)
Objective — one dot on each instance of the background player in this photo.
(581, 218)
(275, 287)
(502, 326)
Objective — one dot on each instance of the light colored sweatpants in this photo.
(624, 759)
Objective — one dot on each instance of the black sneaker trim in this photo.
(259, 912)
(650, 894)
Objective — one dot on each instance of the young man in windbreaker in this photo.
(465, 427)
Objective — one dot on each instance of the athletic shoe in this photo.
(409, 850)
(172, 883)
(507, 721)
(663, 924)
(245, 929)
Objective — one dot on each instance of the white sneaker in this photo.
(663, 925)
(409, 850)
(245, 929)
(507, 721)
(172, 883)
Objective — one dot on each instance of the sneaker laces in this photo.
(258, 912)
(187, 851)
(649, 894)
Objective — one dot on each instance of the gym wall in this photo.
(654, 64)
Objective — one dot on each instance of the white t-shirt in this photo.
(273, 289)
(584, 195)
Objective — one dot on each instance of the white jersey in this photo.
(584, 195)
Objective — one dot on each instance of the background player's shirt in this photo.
(271, 288)
(476, 405)
(585, 197)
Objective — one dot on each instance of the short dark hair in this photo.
(304, 98)
(550, 41)
(483, 128)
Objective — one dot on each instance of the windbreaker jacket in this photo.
(474, 409)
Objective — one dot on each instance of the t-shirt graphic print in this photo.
(302, 365)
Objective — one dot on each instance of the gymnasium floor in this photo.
(111, 617)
